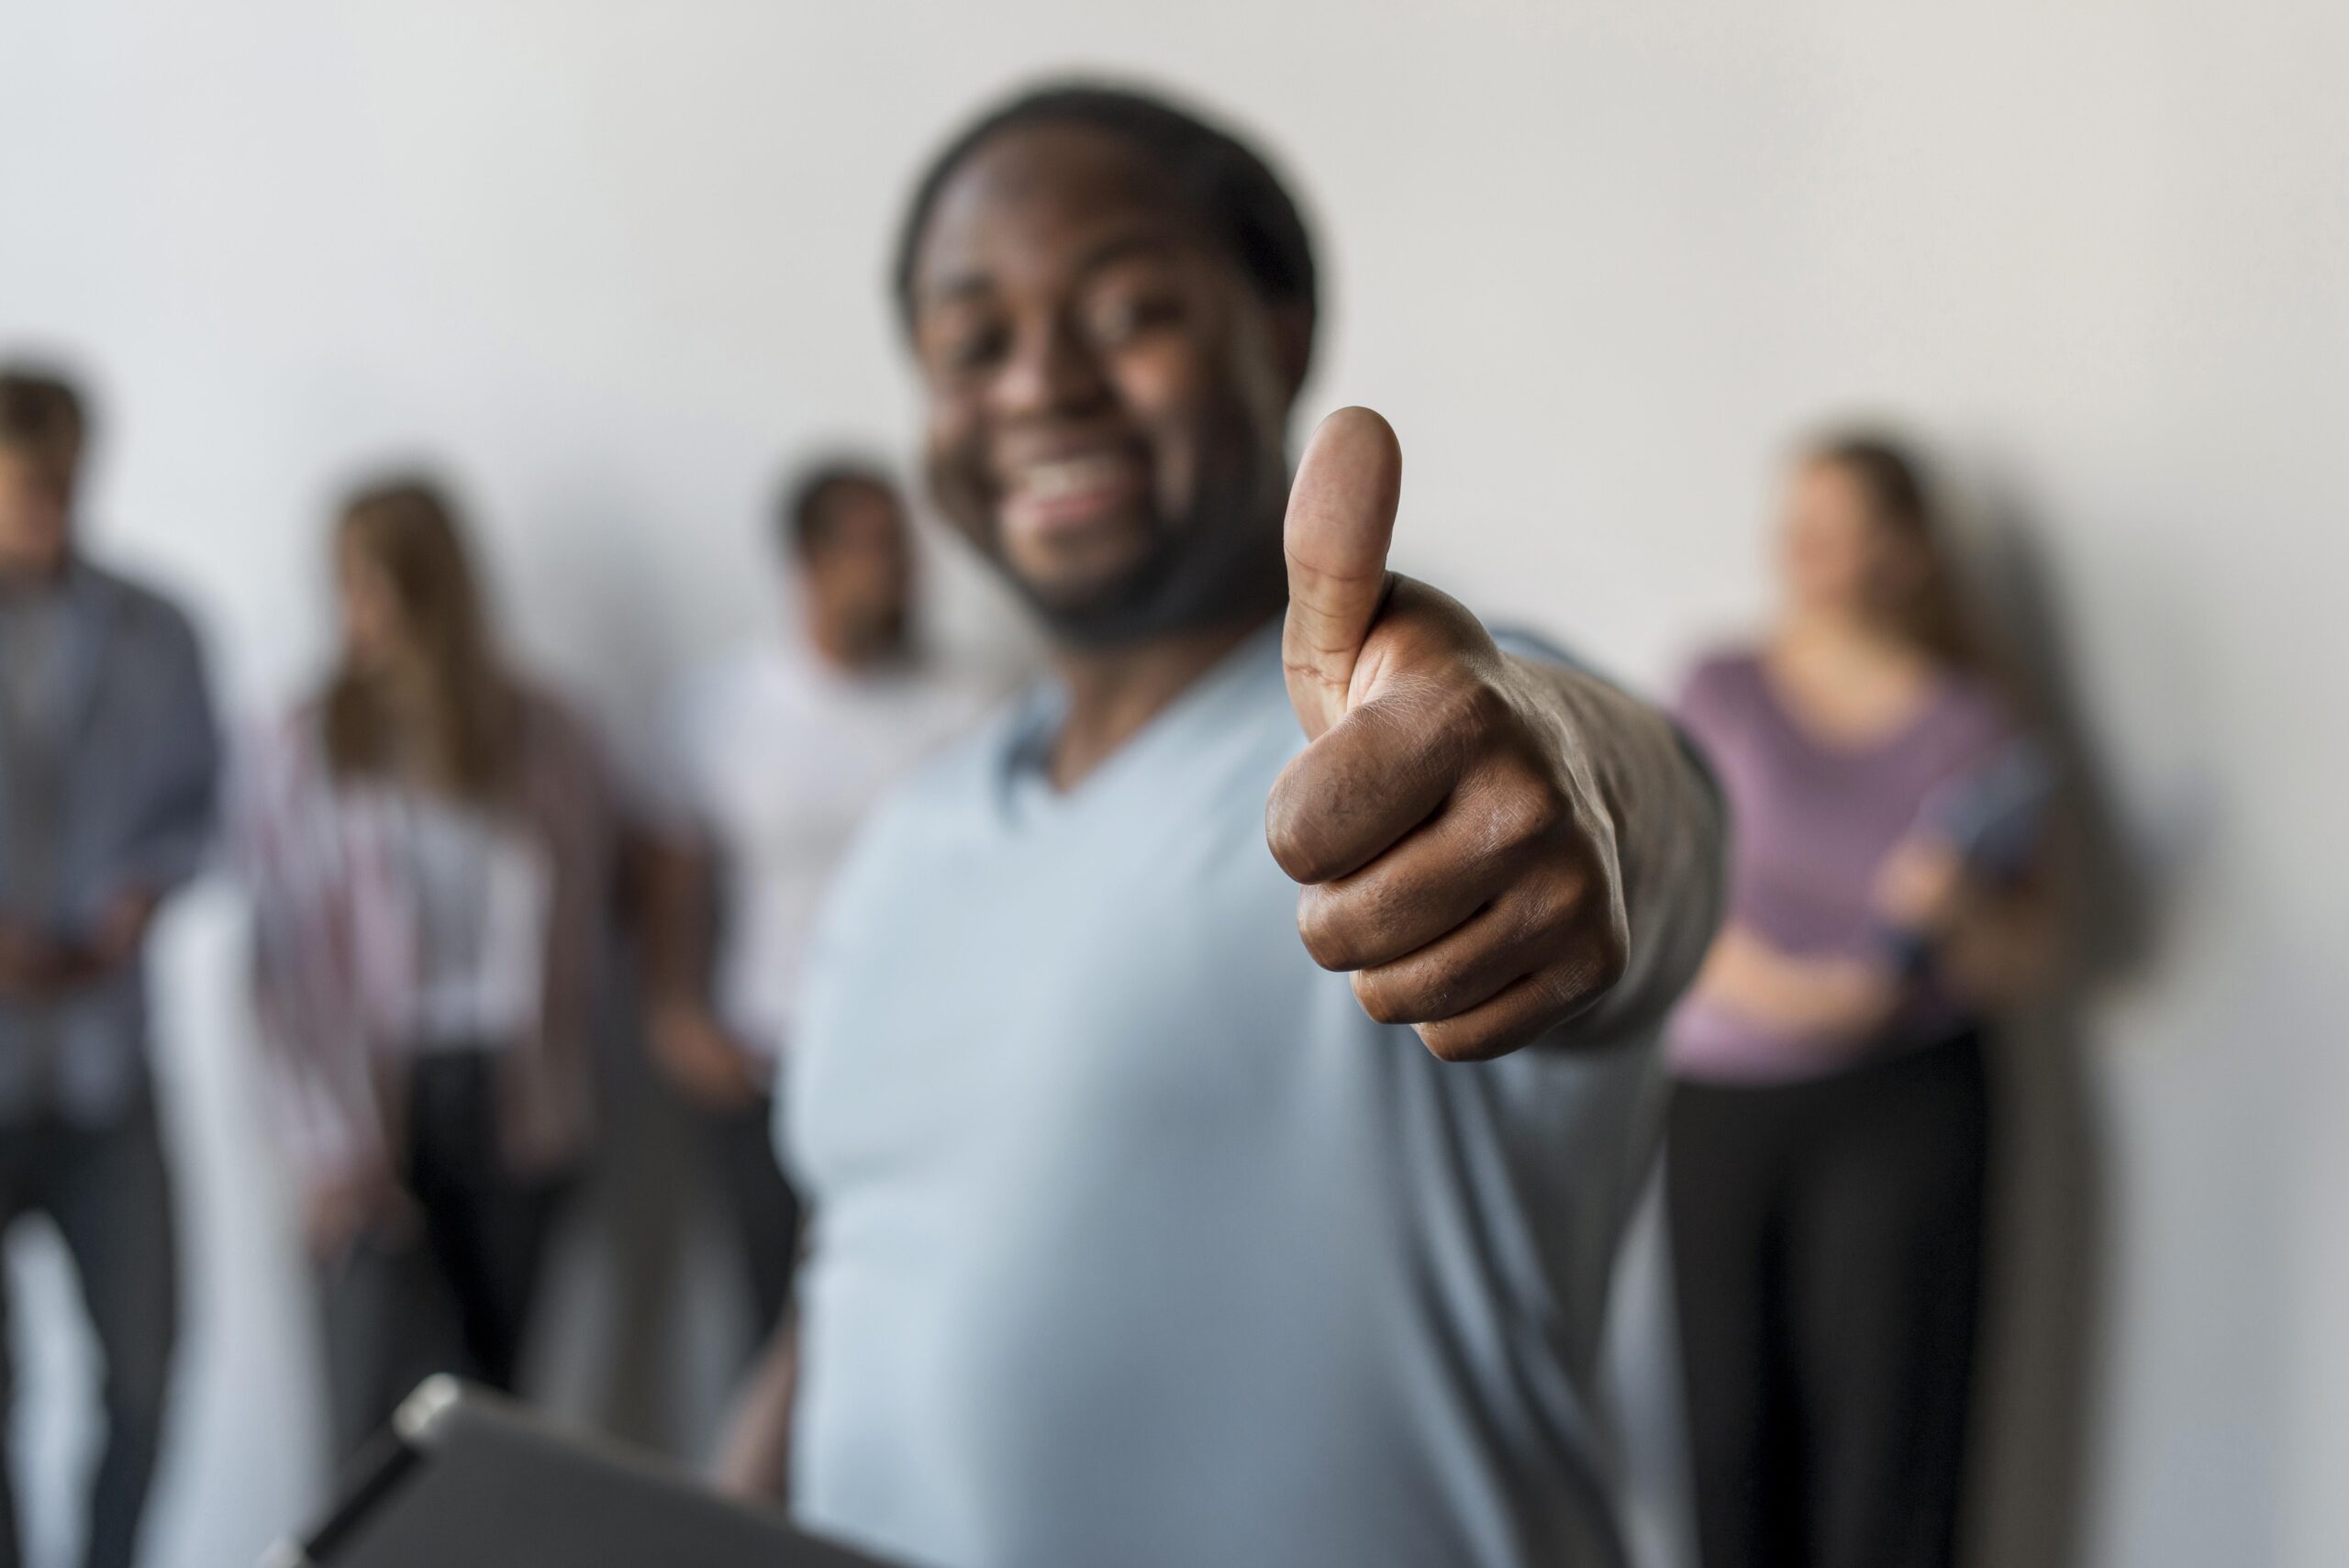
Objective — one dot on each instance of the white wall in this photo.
(612, 260)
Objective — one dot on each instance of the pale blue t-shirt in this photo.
(1135, 1242)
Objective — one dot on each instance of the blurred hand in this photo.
(1831, 1002)
(36, 967)
(1454, 852)
(121, 931)
(1921, 886)
(28, 961)
(696, 1053)
(1731, 963)
(339, 1212)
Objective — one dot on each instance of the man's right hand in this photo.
(33, 967)
(706, 1063)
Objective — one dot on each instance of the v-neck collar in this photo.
(1028, 791)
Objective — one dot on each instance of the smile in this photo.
(1061, 479)
(1069, 491)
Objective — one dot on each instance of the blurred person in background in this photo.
(1830, 1135)
(108, 759)
(430, 842)
(1140, 1229)
(767, 764)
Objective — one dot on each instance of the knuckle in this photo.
(1455, 713)
(1474, 708)
(1593, 963)
(1557, 905)
(1383, 907)
(1539, 814)
(1521, 814)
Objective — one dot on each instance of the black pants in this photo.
(1827, 1250)
(760, 1207)
(453, 1293)
(108, 1192)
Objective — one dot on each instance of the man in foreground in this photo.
(1138, 1235)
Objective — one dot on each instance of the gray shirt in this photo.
(30, 620)
(108, 758)
(1135, 1242)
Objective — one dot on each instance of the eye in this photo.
(960, 340)
(1121, 314)
(972, 349)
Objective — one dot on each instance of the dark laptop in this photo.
(467, 1479)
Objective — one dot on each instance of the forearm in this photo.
(754, 1461)
(1669, 827)
(675, 876)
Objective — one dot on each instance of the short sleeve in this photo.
(1715, 700)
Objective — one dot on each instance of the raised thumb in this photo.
(1341, 518)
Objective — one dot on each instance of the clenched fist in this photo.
(1456, 851)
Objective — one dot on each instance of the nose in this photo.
(1052, 370)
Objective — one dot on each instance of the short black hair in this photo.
(1235, 189)
(811, 500)
(42, 412)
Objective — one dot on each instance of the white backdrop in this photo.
(612, 260)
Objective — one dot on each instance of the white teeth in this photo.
(1063, 477)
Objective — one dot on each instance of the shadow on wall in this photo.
(2042, 1370)
(632, 1337)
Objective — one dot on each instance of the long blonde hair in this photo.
(407, 529)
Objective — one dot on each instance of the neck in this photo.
(841, 646)
(1113, 692)
(21, 575)
(1842, 637)
(833, 647)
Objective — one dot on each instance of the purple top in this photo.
(1811, 822)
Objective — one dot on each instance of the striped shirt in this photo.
(375, 936)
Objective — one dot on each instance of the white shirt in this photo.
(773, 757)
(481, 893)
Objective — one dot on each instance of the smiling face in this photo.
(1108, 394)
